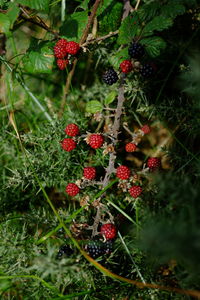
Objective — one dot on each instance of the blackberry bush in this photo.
(99, 157)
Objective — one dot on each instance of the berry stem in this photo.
(82, 40)
(111, 165)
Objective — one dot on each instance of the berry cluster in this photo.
(95, 141)
(132, 146)
(69, 144)
(136, 51)
(62, 51)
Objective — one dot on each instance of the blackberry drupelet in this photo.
(94, 249)
(64, 250)
(147, 70)
(110, 76)
(98, 248)
(136, 50)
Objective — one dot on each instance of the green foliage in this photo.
(110, 19)
(174, 235)
(162, 225)
(118, 57)
(36, 4)
(39, 58)
(153, 45)
(93, 106)
(73, 27)
(129, 29)
(159, 23)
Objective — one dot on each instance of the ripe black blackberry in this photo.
(136, 50)
(110, 76)
(64, 250)
(98, 248)
(147, 70)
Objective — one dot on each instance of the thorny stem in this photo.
(111, 165)
(82, 40)
(127, 9)
(37, 21)
(101, 38)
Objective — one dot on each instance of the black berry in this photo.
(98, 248)
(136, 50)
(64, 250)
(110, 76)
(147, 70)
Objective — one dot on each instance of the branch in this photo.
(111, 165)
(101, 38)
(82, 40)
(127, 9)
(37, 21)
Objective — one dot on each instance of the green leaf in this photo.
(39, 60)
(159, 23)
(111, 20)
(104, 6)
(13, 12)
(4, 24)
(118, 57)
(172, 9)
(93, 106)
(35, 4)
(129, 28)
(153, 45)
(110, 98)
(148, 11)
(73, 27)
(84, 4)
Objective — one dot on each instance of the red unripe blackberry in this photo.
(62, 63)
(62, 43)
(126, 66)
(123, 172)
(136, 50)
(110, 76)
(154, 163)
(60, 48)
(72, 48)
(68, 144)
(96, 140)
(72, 189)
(109, 231)
(89, 173)
(130, 147)
(72, 129)
(146, 129)
(135, 191)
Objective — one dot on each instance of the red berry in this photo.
(96, 140)
(72, 129)
(60, 48)
(154, 163)
(72, 48)
(123, 172)
(135, 191)
(126, 66)
(109, 231)
(130, 147)
(68, 144)
(89, 173)
(72, 189)
(146, 129)
(62, 63)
